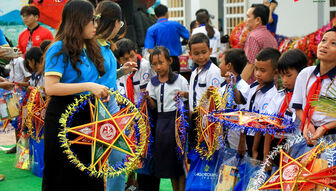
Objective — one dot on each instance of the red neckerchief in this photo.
(313, 93)
(285, 103)
(129, 84)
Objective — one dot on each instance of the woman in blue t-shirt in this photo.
(73, 65)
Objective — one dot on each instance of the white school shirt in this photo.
(242, 87)
(303, 83)
(164, 93)
(257, 101)
(200, 80)
(17, 70)
(233, 134)
(37, 81)
(140, 80)
(214, 41)
(274, 107)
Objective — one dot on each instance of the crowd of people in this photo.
(84, 57)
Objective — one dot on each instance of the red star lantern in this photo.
(292, 173)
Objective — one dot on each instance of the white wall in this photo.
(210, 5)
(297, 18)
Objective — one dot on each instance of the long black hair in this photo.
(75, 16)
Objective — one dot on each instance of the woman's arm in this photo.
(54, 87)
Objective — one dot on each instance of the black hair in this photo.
(262, 11)
(163, 50)
(198, 38)
(269, 54)
(33, 54)
(30, 10)
(274, 1)
(160, 10)
(203, 18)
(237, 58)
(192, 25)
(202, 11)
(124, 46)
(292, 59)
(109, 12)
(44, 45)
(331, 30)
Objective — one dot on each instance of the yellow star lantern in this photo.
(105, 133)
(34, 112)
(208, 132)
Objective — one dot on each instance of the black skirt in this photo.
(166, 162)
(59, 173)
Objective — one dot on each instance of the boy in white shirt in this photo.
(260, 94)
(232, 64)
(289, 66)
(134, 83)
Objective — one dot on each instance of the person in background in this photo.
(203, 26)
(34, 34)
(166, 33)
(273, 18)
(258, 38)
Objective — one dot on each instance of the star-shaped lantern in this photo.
(297, 174)
(105, 133)
(34, 113)
(208, 131)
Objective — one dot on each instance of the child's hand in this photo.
(179, 94)
(129, 67)
(211, 89)
(145, 94)
(229, 76)
(7, 85)
(308, 133)
(319, 132)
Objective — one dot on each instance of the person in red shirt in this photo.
(34, 34)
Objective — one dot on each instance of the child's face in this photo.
(200, 53)
(288, 78)
(326, 49)
(264, 71)
(160, 65)
(224, 67)
(128, 57)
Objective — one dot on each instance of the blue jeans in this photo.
(116, 183)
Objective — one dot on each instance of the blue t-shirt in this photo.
(273, 26)
(109, 79)
(2, 38)
(54, 65)
(166, 33)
